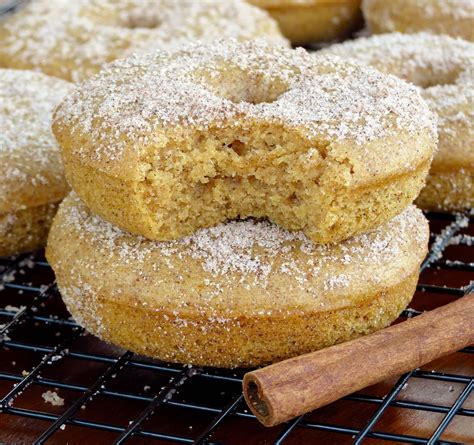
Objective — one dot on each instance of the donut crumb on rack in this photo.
(53, 398)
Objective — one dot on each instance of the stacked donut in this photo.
(238, 203)
(235, 202)
(72, 40)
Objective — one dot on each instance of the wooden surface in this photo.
(397, 419)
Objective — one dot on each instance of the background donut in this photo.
(73, 39)
(452, 17)
(32, 179)
(310, 21)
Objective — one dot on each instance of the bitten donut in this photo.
(243, 293)
(452, 17)
(164, 144)
(308, 21)
(443, 67)
(31, 175)
(73, 39)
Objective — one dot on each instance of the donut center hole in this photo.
(434, 78)
(140, 19)
(239, 86)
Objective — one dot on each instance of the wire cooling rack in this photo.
(107, 395)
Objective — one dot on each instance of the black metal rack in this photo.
(115, 396)
(194, 405)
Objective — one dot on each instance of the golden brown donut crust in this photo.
(25, 230)
(319, 145)
(310, 21)
(240, 294)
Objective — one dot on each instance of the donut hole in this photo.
(138, 18)
(240, 86)
(435, 76)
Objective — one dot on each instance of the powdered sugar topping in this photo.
(431, 9)
(409, 55)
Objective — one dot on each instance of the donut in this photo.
(32, 179)
(442, 67)
(309, 21)
(243, 293)
(167, 143)
(73, 39)
(452, 17)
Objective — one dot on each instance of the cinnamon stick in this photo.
(296, 386)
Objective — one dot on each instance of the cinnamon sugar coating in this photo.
(443, 68)
(31, 176)
(166, 143)
(451, 17)
(73, 39)
(239, 294)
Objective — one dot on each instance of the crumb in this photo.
(53, 398)
(11, 308)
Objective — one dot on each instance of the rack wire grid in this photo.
(59, 384)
